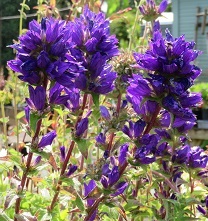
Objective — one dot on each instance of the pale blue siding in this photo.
(184, 23)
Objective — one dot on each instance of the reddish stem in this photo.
(25, 174)
(118, 107)
(112, 135)
(66, 161)
(93, 208)
(153, 119)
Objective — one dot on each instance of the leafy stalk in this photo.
(66, 161)
(4, 123)
(27, 169)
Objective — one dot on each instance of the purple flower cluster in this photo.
(171, 73)
(42, 54)
(93, 46)
(72, 56)
(193, 157)
(109, 179)
(150, 11)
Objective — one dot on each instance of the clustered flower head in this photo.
(71, 56)
(93, 46)
(193, 157)
(42, 54)
(59, 60)
(151, 11)
(170, 73)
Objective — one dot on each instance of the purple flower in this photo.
(37, 98)
(170, 61)
(37, 160)
(141, 107)
(56, 97)
(138, 128)
(104, 83)
(81, 127)
(190, 99)
(101, 138)
(201, 210)
(113, 176)
(104, 181)
(206, 201)
(139, 86)
(89, 188)
(162, 150)
(163, 5)
(150, 11)
(105, 113)
(198, 158)
(119, 188)
(63, 153)
(47, 139)
(93, 47)
(182, 154)
(145, 153)
(88, 194)
(71, 170)
(27, 113)
(123, 154)
(36, 48)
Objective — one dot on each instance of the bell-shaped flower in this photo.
(47, 139)
(37, 98)
(122, 158)
(105, 113)
(119, 188)
(182, 154)
(201, 210)
(135, 129)
(62, 153)
(101, 138)
(198, 158)
(89, 188)
(56, 95)
(71, 170)
(81, 127)
(37, 160)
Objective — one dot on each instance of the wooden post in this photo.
(204, 22)
(197, 24)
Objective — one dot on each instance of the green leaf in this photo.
(15, 157)
(4, 120)
(46, 216)
(25, 217)
(83, 145)
(59, 111)
(26, 7)
(20, 115)
(95, 98)
(34, 118)
(79, 203)
(131, 204)
(10, 200)
(4, 217)
(23, 14)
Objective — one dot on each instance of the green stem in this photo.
(133, 30)
(4, 124)
(167, 181)
(15, 110)
(21, 17)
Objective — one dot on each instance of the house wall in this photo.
(184, 23)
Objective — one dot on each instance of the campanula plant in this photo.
(108, 127)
